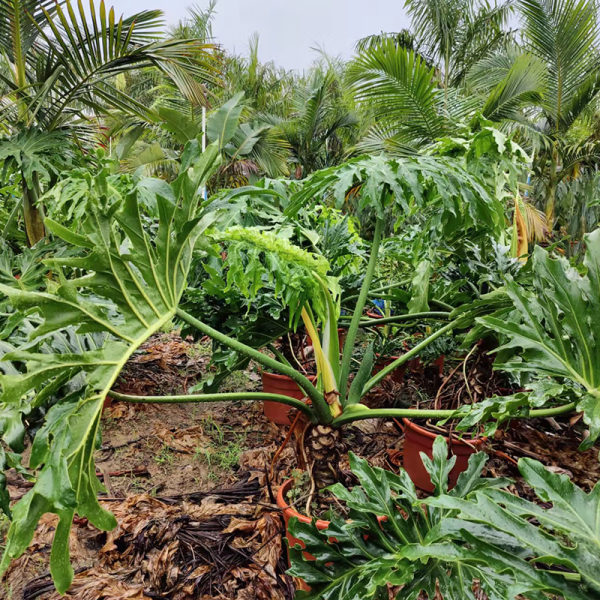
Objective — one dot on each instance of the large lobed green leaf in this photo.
(459, 198)
(555, 330)
(130, 287)
(446, 543)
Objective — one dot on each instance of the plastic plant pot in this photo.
(289, 512)
(417, 439)
(273, 383)
(397, 375)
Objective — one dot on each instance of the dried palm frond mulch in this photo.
(165, 364)
(220, 545)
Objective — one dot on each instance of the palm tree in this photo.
(457, 33)
(410, 108)
(563, 34)
(321, 122)
(252, 148)
(58, 74)
(267, 88)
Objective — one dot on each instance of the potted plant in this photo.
(276, 383)
(473, 537)
(132, 280)
(551, 341)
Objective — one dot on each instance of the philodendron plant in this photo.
(551, 335)
(125, 276)
(474, 538)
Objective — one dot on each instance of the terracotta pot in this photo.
(415, 365)
(397, 375)
(418, 439)
(108, 400)
(375, 315)
(289, 512)
(273, 383)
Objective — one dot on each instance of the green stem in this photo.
(280, 357)
(224, 397)
(443, 305)
(320, 405)
(360, 304)
(358, 414)
(399, 318)
(379, 290)
(538, 413)
(410, 354)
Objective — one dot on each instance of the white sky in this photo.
(288, 29)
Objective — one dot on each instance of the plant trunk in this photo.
(324, 446)
(553, 182)
(32, 212)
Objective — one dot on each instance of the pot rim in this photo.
(311, 378)
(374, 315)
(478, 441)
(292, 512)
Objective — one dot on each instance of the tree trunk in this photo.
(551, 199)
(323, 448)
(32, 213)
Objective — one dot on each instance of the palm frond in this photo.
(88, 51)
(152, 161)
(564, 34)
(399, 89)
(19, 21)
(524, 84)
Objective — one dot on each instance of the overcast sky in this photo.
(288, 29)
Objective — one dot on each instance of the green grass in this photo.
(222, 453)
(165, 456)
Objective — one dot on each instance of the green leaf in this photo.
(470, 479)
(223, 123)
(440, 466)
(258, 258)
(569, 535)
(183, 128)
(362, 376)
(130, 287)
(555, 331)
(420, 288)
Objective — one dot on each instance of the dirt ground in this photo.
(192, 487)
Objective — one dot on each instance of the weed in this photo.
(198, 350)
(165, 456)
(137, 484)
(238, 381)
(222, 453)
